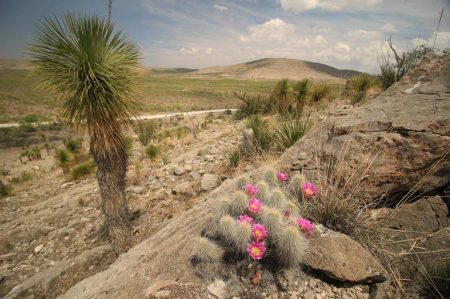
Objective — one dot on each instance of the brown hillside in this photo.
(278, 68)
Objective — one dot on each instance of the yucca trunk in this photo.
(111, 161)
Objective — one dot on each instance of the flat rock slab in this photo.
(341, 258)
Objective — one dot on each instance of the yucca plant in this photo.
(302, 89)
(292, 128)
(281, 95)
(90, 65)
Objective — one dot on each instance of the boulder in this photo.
(209, 181)
(406, 134)
(341, 258)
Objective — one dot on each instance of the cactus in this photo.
(295, 185)
(271, 218)
(224, 207)
(290, 246)
(264, 192)
(277, 199)
(226, 229)
(270, 176)
(238, 205)
(242, 235)
(206, 251)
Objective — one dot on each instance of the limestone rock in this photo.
(184, 188)
(38, 248)
(218, 289)
(340, 257)
(209, 181)
(406, 132)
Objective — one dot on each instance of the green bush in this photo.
(152, 151)
(359, 86)
(320, 91)
(292, 128)
(23, 177)
(64, 159)
(261, 130)
(5, 190)
(145, 130)
(404, 62)
(82, 170)
(74, 145)
(234, 157)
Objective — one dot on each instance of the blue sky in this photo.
(198, 33)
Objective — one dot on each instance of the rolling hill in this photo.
(278, 68)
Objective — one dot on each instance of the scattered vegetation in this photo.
(64, 158)
(152, 151)
(81, 170)
(145, 130)
(281, 95)
(128, 144)
(234, 157)
(74, 145)
(302, 92)
(23, 177)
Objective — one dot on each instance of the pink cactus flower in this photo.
(309, 190)
(305, 225)
(245, 219)
(282, 177)
(287, 213)
(256, 250)
(251, 189)
(254, 205)
(259, 232)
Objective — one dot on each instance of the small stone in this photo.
(309, 295)
(209, 181)
(209, 158)
(38, 248)
(178, 170)
(184, 188)
(137, 190)
(218, 289)
(162, 294)
(188, 168)
(159, 173)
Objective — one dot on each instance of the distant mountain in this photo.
(278, 68)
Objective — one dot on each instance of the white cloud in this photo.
(272, 30)
(190, 51)
(303, 5)
(220, 7)
(359, 34)
(342, 47)
(388, 27)
(442, 40)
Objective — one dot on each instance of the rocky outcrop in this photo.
(405, 129)
(341, 258)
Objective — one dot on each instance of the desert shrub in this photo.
(292, 128)
(23, 177)
(281, 94)
(234, 158)
(64, 159)
(248, 227)
(152, 151)
(82, 170)
(145, 130)
(262, 132)
(182, 131)
(439, 275)
(302, 91)
(74, 145)
(253, 104)
(5, 190)
(33, 118)
(320, 91)
(392, 72)
(359, 86)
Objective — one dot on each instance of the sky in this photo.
(347, 34)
